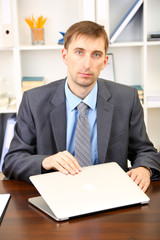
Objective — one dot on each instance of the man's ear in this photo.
(64, 56)
(105, 61)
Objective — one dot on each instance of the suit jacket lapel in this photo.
(104, 120)
(58, 117)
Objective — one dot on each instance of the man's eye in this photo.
(97, 55)
(79, 52)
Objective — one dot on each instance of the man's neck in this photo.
(81, 91)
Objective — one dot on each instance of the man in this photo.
(44, 138)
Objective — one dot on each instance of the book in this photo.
(140, 91)
(4, 200)
(127, 18)
(26, 81)
(153, 101)
(32, 82)
(154, 36)
(153, 39)
(139, 88)
(29, 79)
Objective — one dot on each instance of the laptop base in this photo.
(39, 203)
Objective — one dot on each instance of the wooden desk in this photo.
(24, 222)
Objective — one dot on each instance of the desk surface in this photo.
(22, 221)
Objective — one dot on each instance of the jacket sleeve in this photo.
(22, 161)
(141, 151)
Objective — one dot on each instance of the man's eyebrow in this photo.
(98, 51)
(78, 48)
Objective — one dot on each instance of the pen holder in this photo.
(37, 36)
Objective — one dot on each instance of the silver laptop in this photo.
(95, 188)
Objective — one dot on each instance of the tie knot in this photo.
(82, 107)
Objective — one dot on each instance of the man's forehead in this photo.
(80, 39)
(79, 36)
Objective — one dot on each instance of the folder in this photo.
(8, 137)
(127, 18)
(6, 26)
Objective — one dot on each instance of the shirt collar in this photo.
(73, 100)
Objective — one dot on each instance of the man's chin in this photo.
(86, 82)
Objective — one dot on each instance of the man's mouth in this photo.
(85, 75)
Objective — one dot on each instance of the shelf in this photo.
(136, 60)
(5, 111)
(57, 46)
(153, 43)
(41, 47)
(152, 106)
(6, 49)
(127, 44)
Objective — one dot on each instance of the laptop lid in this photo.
(95, 188)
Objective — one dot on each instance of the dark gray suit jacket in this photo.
(41, 129)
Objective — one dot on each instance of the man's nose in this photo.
(87, 62)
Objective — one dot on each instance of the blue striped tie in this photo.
(82, 138)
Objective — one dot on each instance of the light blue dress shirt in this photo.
(72, 102)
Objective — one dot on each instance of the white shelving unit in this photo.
(153, 71)
(136, 60)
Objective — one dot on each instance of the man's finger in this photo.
(141, 176)
(63, 162)
(73, 161)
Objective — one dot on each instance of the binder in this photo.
(127, 18)
(6, 26)
(8, 137)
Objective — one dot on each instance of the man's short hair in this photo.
(88, 29)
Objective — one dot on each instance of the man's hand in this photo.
(141, 176)
(64, 162)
